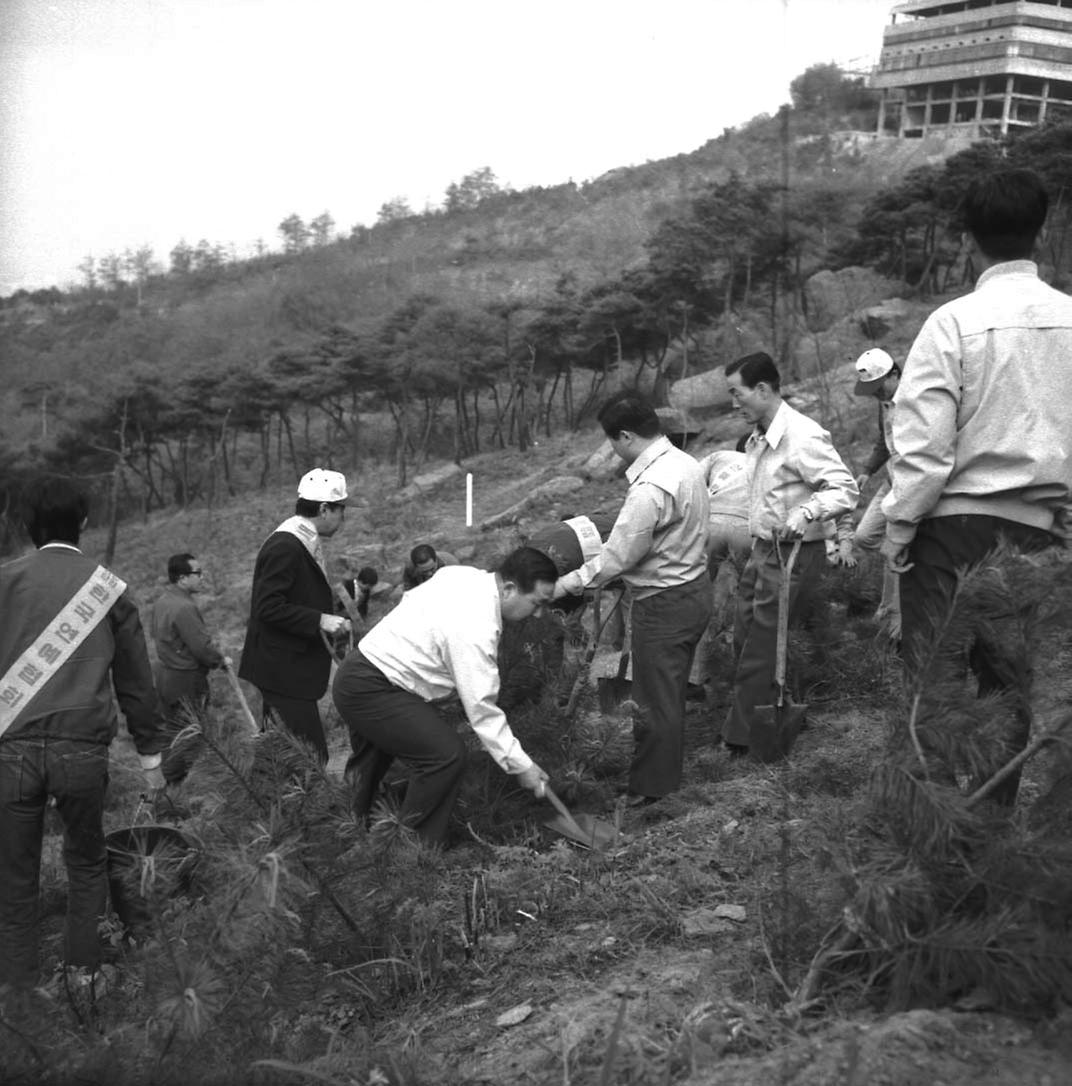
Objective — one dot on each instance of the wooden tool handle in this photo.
(254, 726)
(783, 616)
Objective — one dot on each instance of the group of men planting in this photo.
(980, 455)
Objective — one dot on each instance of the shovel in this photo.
(594, 833)
(774, 728)
(254, 726)
(616, 689)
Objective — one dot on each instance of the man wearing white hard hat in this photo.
(292, 607)
(878, 376)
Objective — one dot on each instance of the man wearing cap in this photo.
(798, 485)
(292, 610)
(981, 433)
(878, 376)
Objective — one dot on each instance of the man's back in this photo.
(982, 421)
(77, 702)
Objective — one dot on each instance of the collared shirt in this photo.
(660, 537)
(982, 420)
(179, 633)
(444, 636)
(792, 464)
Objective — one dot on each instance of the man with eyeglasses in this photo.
(185, 653)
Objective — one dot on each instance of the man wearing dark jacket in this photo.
(70, 635)
(185, 653)
(292, 610)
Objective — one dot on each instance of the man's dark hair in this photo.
(303, 507)
(526, 566)
(178, 565)
(754, 368)
(366, 575)
(629, 411)
(423, 552)
(1004, 211)
(53, 510)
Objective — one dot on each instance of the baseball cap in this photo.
(871, 367)
(321, 485)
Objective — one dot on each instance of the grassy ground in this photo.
(308, 950)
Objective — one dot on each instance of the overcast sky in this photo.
(130, 122)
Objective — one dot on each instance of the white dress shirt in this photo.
(444, 636)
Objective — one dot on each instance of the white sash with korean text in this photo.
(587, 535)
(30, 673)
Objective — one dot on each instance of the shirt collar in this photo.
(778, 424)
(648, 457)
(1008, 267)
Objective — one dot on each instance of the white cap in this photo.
(321, 485)
(871, 367)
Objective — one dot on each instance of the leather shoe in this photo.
(634, 799)
(735, 750)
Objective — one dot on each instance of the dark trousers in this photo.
(666, 630)
(942, 547)
(755, 631)
(182, 694)
(300, 716)
(387, 722)
(76, 773)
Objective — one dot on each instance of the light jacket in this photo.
(982, 423)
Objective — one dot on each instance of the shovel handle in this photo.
(254, 726)
(783, 615)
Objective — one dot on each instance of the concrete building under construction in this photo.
(974, 67)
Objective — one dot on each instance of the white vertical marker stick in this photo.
(469, 499)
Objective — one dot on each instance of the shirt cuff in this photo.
(900, 533)
(572, 582)
(150, 761)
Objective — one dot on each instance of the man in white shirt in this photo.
(442, 637)
(658, 547)
(797, 482)
(982, 452)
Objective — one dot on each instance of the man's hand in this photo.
(334, 624)
(228, 663)
(896, 555)
(154, 779)
(861, 480)
(844, 556)
(534, 780)
(559, 591)
(795, 523)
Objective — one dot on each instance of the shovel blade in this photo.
(774, 730)
(594, 833)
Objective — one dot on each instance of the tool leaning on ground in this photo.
(585, 829)
(235, 685)
(774, 728)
